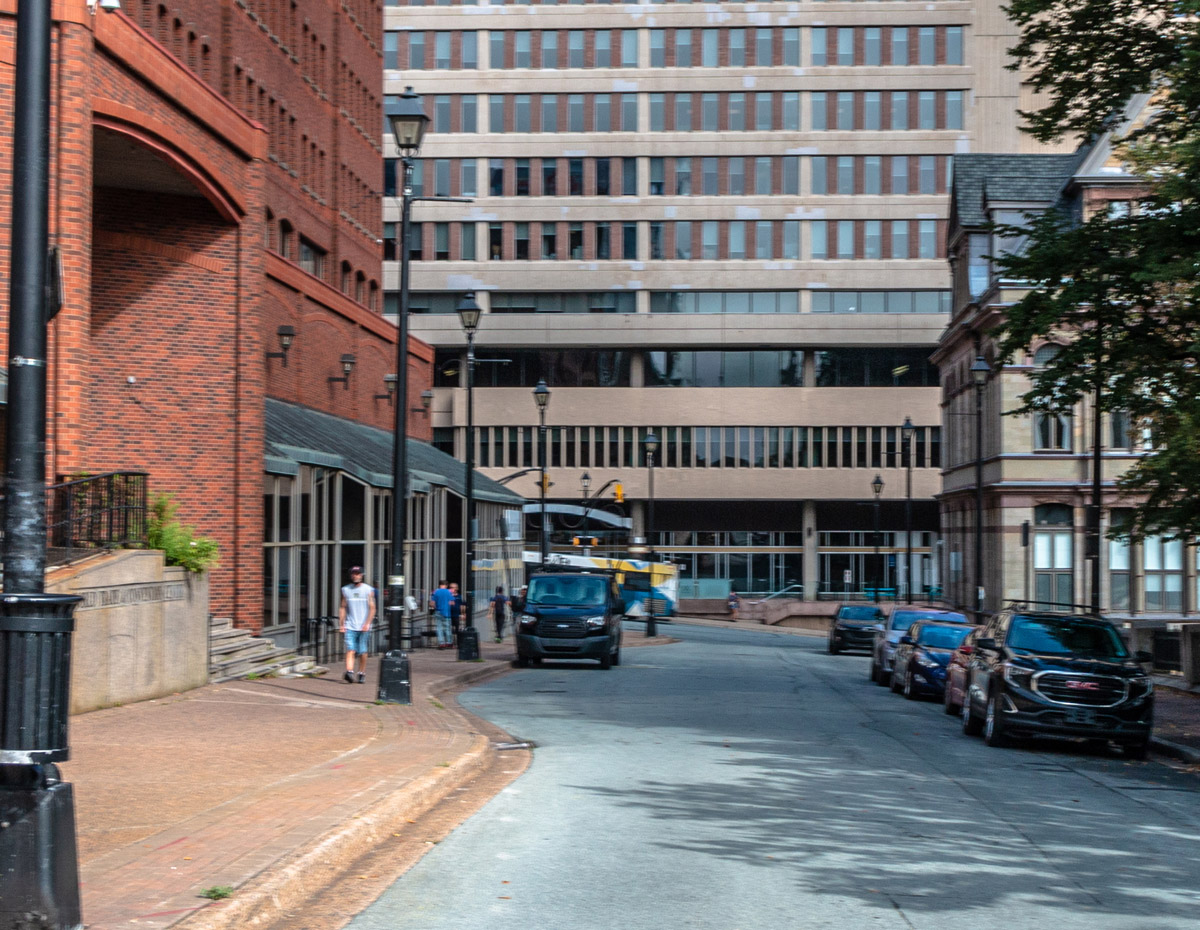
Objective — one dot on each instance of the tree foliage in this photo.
(1120, 294)
(179, 542)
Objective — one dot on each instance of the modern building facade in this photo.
(1036, 470)
(215, 199)
(722, 225)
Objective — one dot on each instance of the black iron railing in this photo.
(97, 512)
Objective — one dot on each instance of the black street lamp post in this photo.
(408, 121)
(906, 432)
(980, 370)
(541, 395)
(877, 488)
(39, 881)
(650, 443)
(468, 639)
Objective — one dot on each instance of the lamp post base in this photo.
(39, 870)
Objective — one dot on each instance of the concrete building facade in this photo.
(722, 224)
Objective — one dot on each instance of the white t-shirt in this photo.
(358, 605)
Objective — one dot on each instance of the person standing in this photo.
(496, 608)
(456, 606)
(440, 601)
(355, 616)
(734, 603)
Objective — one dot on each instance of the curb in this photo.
(1175, 750)
(289, 881)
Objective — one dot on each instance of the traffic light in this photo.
(619, 492)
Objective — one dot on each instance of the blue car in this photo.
(888, 633)
(919, 669)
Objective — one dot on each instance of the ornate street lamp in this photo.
(906, 433)
(468, 640)
(650, 444)
(541, 396)
(980, 370)
(877, 488)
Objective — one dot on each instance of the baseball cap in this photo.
(356, 570)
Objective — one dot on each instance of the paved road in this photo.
(743, 780)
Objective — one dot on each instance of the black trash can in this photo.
(395, 684)
(468, 644)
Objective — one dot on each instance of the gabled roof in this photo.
(980, 179)
(298, 436)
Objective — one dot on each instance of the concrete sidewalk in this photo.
(273, 787)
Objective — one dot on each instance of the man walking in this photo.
(441, 601)
(355, 617)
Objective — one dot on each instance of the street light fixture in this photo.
(980, 370)
(468, 640)
(906, 433)
(877, 488)
(541, 396)
(650, 444)
(408, 121)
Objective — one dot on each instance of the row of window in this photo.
(685, 176)
(679, 240)
(839, 367)
(761, 47)
(705, 447)
(716, 111)
(694, 302)
(281, 237)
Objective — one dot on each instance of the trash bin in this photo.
(468, 644)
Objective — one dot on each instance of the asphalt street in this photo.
(742, 780)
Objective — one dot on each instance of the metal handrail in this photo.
(782, 591)
(105, 511)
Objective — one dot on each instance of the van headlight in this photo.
(594, 623)
(527, 621)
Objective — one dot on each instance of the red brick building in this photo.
(215, 174)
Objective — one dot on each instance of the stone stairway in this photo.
(234, 654)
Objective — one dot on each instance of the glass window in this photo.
(549, 48)
(820, 172)
(575, 177)
(470, 106)
(872, 45)
(737, 177)
(683, 177)
(791, 47)
(763, 50)
(818, 37)
(549, 177)
(629, 241)
(495, 49)
(629, 177)
(845, 110)
(683, 240)
(791, 111)
(709, 178)
(441, 177)
(899, 174)
(954, 109)
(470, 50)
(522, 119)
(442, 110)
(710, 112)
(927, 174)
(927, 109)
(819, 231)
(845, 174)
(845, 46)
(496, 177)
(820, 110)
(496, 113)
(629, 112)
(737, 48)
(899, 45)
(603, 241)
(709, 42)
(762, 175)
(927, 45)
(763, 103)
(737, 239)
(845, 239)
(710, 240)
(791, 239)
(954, 45)
(899, 109)
(656, 176)
(900, 239)
(872, 175)
(683, 112)
(603, 115)
(657, 112)
(468, 177)
(872, 110)
(575, 118)
(521, 53)
(416, 51)
(872, 239)
(575, 48)
(1051, 432)
(683, 48)
(602, 56)
(658, 51)
(391, 59)
(549, 241)
(466, 238)
(737, 112)
(764, 245)
(927, 239)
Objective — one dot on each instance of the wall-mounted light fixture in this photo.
(347, 362)
(389, 382)
(287, 335)
(426, 402)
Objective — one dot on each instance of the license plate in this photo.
(1081, 716)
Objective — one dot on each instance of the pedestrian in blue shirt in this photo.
(440, 601)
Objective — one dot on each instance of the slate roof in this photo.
(980, 178)
(298, 436)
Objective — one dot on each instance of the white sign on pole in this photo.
(846, 578)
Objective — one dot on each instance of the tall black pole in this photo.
(651, 623)
(469, 593)
(979, 501)
(878, 566)
(908, 572)
(1097, 478)
(543, 547)
(397, 581)
(39, 879)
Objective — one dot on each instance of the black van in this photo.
(571, 615)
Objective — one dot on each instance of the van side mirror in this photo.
(1144, 657)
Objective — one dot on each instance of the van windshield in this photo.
(566, 590)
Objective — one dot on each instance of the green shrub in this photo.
(178, 541)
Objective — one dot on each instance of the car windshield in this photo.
(858, 613)
(943, 637)
(1066, 636)
(577, 591)
(903, 619)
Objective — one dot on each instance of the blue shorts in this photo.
(358, 640)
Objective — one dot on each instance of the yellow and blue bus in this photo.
(638, 579)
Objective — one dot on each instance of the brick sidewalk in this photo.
(221, 785)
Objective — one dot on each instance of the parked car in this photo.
(956, 674)
(1047, 674)
(571, 615)
(922, 655)
(853, 627)
(888, 633)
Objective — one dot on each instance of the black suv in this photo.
(853, 627)
(571, 615)
(1034, 673)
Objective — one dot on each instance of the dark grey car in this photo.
(853, 627)
(887, 635)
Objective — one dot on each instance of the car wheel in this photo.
(522, 661)
(971, 725)
(993, 725)
(948, 704)
(910, 691)
(833, 649)
(616, 656)
(537, 660)
(1138, 750)
(606, 661)
(873, 672)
